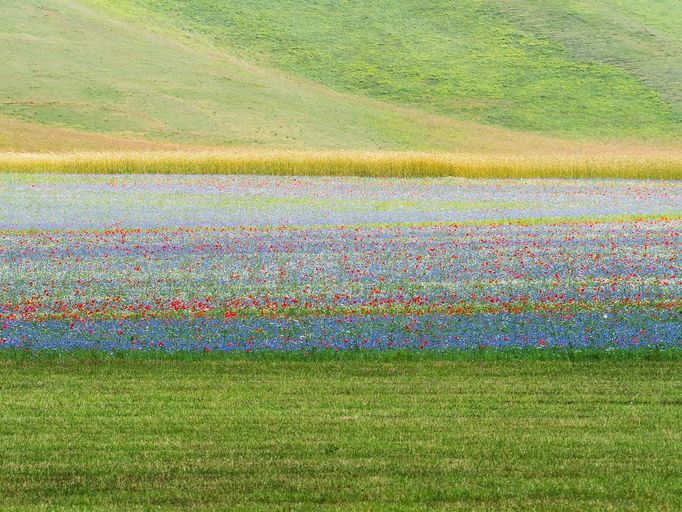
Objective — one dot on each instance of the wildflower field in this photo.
(309, 255)
(248, 263)
(233, 342)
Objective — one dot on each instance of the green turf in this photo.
(579, 68)
(370, 432)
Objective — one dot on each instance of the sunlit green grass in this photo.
(360, 431)
(72, 66)
(591, 69)
(474, 76)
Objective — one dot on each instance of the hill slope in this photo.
(472, 76)
(576, 68)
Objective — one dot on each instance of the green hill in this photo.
(314, 74)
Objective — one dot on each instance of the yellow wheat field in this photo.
(661, 166)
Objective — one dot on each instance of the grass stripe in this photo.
(340, 434)
(659, 166)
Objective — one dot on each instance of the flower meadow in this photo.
(249, 263)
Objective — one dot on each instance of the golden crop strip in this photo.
(661, 166)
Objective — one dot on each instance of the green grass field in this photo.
(399, 88)
(142, 87)
(475, 76)
(356, 431)
(513, 64)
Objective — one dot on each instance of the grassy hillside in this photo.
(17, 135)
(74, 67)
(579, 68)
(641, 37)
(471, 76)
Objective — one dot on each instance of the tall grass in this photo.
(666, 166)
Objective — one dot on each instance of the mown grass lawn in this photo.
(355, 432)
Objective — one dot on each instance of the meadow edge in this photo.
(659, 166)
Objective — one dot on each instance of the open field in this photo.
(168, 88)
(579, 69)
(628, 163)
(254, 342)
(340, 433)
(322, 255)
(248, 263)
(475, 77)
